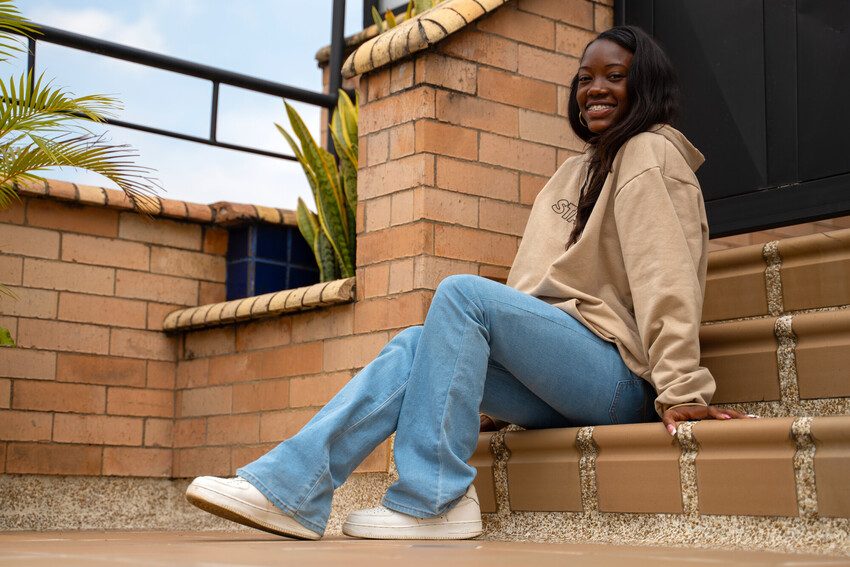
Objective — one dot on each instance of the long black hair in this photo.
(653, 99)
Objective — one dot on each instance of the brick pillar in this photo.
(456, 142)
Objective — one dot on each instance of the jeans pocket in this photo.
(630, 403)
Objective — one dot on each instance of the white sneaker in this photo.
(461, 522)
(237, 500)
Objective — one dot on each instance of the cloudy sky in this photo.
(271, 39)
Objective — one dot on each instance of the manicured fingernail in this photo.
(672, 430)
(725, 416)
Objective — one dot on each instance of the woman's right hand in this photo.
(673, 416)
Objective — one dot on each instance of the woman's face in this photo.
(601, 92)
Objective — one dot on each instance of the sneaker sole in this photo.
(455, 530)
(225, 507)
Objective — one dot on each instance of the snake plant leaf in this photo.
(305, 165)
(422, 5)
(348, 172)
(347, 116)
(409, 12)
(390, 17)
(328, 266)
(6, 339)
(376, 17)
(308, 225)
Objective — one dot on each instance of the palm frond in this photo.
(89, 152)
(13, 25)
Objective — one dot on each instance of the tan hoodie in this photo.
(636, 277)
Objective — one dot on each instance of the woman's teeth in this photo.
(600, 107)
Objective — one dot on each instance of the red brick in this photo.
(141, 402)
(158, 311)
(53, 396)
(445, 206)
(202, 461)
(261, 396)
(474, 112)
(547, 66)
(390, 313)
(396, 242)
(25, 425)
(402, 207)
(210, 342)
(101, 310)
(190, 432)
(233, 429)
(212, 293)
(2, 457)
(105, 252)
(204, 401)
(548, 129)
(476, 179)
(481, 48)
(377, 148)
(529, 186)
(25, 363)
(563, 155)
(15, 213)
(575, 12)
(323, 323)
(108, 371)
(402, 140)
(192, 373)
(353, 352)
(520, 26)
(281, 425)
(159, 231)
(268, 333)
(446, 72)
(5, 393)
(378, 82)
(506, 218)
(26, 241)
(374, 281)
(316, 390)
(54, 335)
(155, 287)
(401, 107)
(159, 432)
(150, 345)
(72, 218)
(161, 375)
(241, 456)
(215, 240)
(97, 429)
(496, 273)
(182, 263)
(56, 459)
(394, 176)
(516, 90)
(603, 17)
(28, 302)
(518, 154)
(378, 213)
(445, 139)
(474, 245)
(12, 270)
(401, 275)
(377, 461)
(401, 76)
(571, 40)
(71, 277)
(125, 461)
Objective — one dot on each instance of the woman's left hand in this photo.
(694, 413)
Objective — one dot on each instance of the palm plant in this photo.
(414, 8)
(43, 126)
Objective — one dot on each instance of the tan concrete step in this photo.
(773, 483)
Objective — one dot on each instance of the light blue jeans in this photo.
(484, 346)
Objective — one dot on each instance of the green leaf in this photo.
(308, 224)
(391, 23)
(409, 12)
(12, 26)
(423, 5)
(6, 339)
(328, 265)
(376, 17)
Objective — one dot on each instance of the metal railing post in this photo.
(335, 64)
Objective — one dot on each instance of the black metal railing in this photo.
(215, 75)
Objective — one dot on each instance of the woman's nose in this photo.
(596, 88)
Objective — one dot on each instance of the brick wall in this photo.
(91, 388)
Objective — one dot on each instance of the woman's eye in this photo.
(616, 76)
(583, 79)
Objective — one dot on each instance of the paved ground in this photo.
(214, 549)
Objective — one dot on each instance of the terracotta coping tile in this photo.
(485, 484)
(742, 358)
(416, 34)
(637, 469)
(746, 467)
(816, 270)
(543, 470)
(300, 299)
(822, 353)
(735, 284)
(218, 213)
(832, 465)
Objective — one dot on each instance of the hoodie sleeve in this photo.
(660, 226)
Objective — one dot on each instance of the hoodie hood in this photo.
(692, 156)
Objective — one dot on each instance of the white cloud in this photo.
(142, 33)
